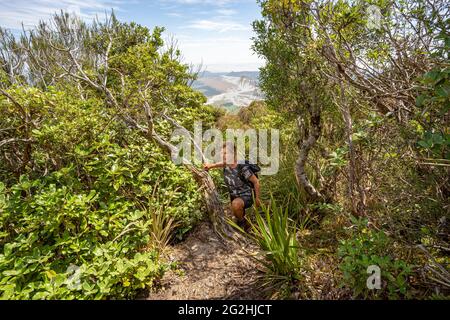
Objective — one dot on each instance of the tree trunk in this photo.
(211, 196)
(353, 179)
(310, 138)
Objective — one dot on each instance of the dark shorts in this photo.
(248, 201)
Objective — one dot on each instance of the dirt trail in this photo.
(212, 269)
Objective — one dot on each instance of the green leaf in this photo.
(424, 144)
(86, 286)
(432, 76)
(37, 132)
(443, 91)
(50, 274)
(103, 233)
(420, 100)
(40, 295)
(11, 272)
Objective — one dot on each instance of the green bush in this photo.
(47, 229)
(365, 248)
(95, 214)
(78, 222)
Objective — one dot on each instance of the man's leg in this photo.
(237, 207)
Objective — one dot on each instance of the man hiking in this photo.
(241, 180)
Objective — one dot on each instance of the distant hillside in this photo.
(230, 90)
(207, 74)
(248, 74)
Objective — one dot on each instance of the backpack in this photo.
(253, 168)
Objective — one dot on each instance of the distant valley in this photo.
(231, 90)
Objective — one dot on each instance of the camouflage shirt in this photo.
(237, 181)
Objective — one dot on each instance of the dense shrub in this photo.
(367, 247)
(84, 198)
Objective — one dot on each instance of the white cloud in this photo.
(226, 12)
(29, 12)
(226, 53)
(204, 2)
(174, 14)
(217, 25)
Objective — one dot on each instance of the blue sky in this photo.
(216, 33)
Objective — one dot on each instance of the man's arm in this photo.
(253, 179)
(208, 166)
